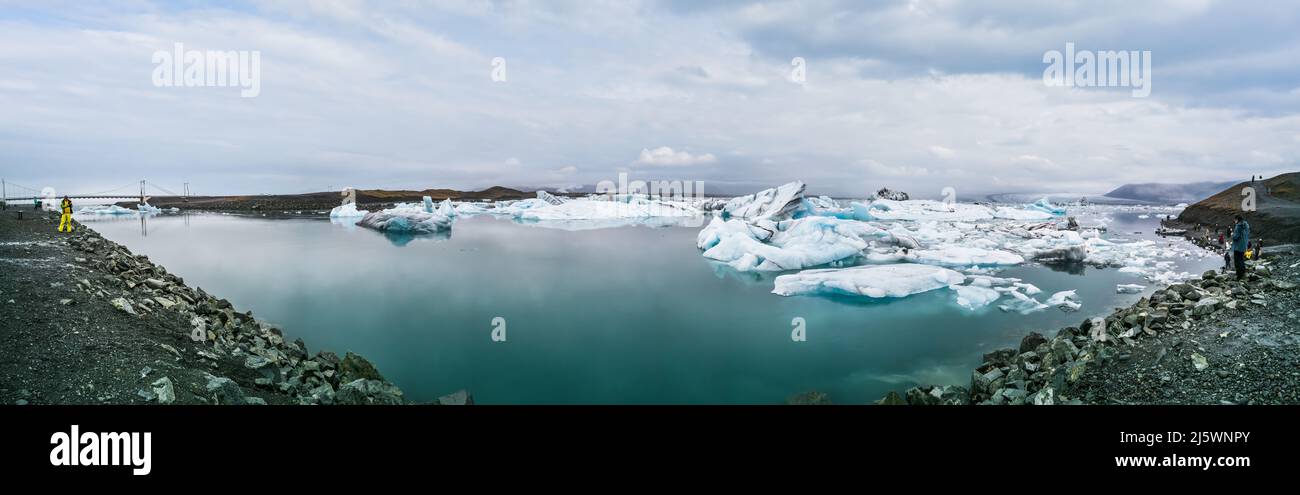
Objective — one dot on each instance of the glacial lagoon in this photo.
(623, 315)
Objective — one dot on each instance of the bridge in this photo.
(32, 194)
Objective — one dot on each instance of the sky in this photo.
(916, 95)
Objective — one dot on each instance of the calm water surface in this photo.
(612, 316)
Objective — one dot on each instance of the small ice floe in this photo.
(1066, 300)
(787, 245)
(973, 296)
(106, 210)
(1021, 303)
(874, 281)
(1129, 288)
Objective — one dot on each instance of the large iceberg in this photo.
(347, 211)
(786, 245)
(877, 281)
(407, 218)
(776, 203)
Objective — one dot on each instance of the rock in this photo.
(1014, 396)
(918, 397)
(1200, 362)
(225, 390)
(951, 395)
(1064, 350)
(154, 283)
(123, 305)
(163, 388)
(1044, 397)
(890, 399)
(254, 401)
(20, 402)
(803, 399)
(1031, 342)
(1209, 275)
(256, 362)
(1205, 306)
(366, 392)
(323, 394)
(327, 359)
(66, 302)
(164, 302)
(354, 367)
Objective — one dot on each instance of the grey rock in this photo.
(165, 391)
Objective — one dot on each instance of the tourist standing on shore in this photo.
(1240, 242)
(65, 206)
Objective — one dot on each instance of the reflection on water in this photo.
(622, 315)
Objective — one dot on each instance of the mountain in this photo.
(1169, 193)
(1275, 218)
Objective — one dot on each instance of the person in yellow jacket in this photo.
(66, 219)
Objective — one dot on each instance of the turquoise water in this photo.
(630, 315)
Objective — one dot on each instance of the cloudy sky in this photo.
(911, 94)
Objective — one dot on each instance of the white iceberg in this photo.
(1022, 304)
(1067, 300)
(105, 210)
(920, 210)
(406, 218)
(779, 246)
(878, 281)
(958, 256)
(347, 211)
(973, 296)
(778, 203)
(1129, 288)
(148, 208)
(1047, 207)
(1023, 215)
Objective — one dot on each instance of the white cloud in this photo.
(665, 156)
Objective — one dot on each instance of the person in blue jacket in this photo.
(1240, 243)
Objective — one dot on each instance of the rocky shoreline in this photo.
(1212, 340)
(85, 321)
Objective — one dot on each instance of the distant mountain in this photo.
(1169, 193)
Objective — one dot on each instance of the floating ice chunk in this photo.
(826, 207)
(406, 218)
(1022, 304)
(1046, 206)
(919, 210)
(877, 281)
(788, 245)
(957, 256)
(1144, 217)
(446, 209)
(347, 211)
(1022, 215)
(973, 296)
(106, 210)
(148, 208)
(591, 209)
(1129, 288)
(778, 203)
(1027, 288)
(1067, 300)
(471, 209)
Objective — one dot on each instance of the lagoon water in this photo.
(629, 315)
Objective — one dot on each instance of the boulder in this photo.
(463, 398)
(1031, 342)
(354, 367)
(225, 390)
(368, 392)
(164, 390)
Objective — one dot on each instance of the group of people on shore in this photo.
(1237, 246)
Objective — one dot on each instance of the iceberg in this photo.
(106, 210)
(778, 203)
(1046, 206)
(1067, 300)
(1129, 288)
(789, 245)
(406, 218)
(920, 210)
(878, 281)
(347, 211)
(973, 296)
(1022, 304)
(1022, 215)
(592, 209)
(148, 208)
(957, 256)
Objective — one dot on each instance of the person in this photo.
(1240, 242)
(65, 206)
(36, 204)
